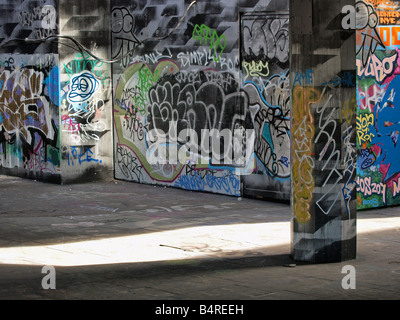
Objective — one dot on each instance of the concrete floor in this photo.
(119, 240)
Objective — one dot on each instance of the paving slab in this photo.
(118, 240)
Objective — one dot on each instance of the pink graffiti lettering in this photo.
(377, 69)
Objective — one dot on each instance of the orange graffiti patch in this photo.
(383, 4)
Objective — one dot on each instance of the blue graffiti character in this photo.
(83, 87)
(385, 132)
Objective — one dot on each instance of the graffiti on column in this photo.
(303, 163)
(319, 153)
(86, 90)
(82, 101)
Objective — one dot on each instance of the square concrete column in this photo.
(56, 121)
(323, 132)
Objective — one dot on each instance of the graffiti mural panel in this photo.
(29, 90)
(29, 127)
(265, 77)
(378, 71)
(182, 114)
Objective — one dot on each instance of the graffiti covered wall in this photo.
(265, 78)
(378, 80)
(29, 76)
(183, 78)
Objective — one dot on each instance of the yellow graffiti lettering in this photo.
(363, 123)
(256, 69)
(303, 163)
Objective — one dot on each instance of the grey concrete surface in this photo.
(119, 240)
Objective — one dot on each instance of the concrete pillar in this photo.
(85, 91)
(65, 134)
(323, 132)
